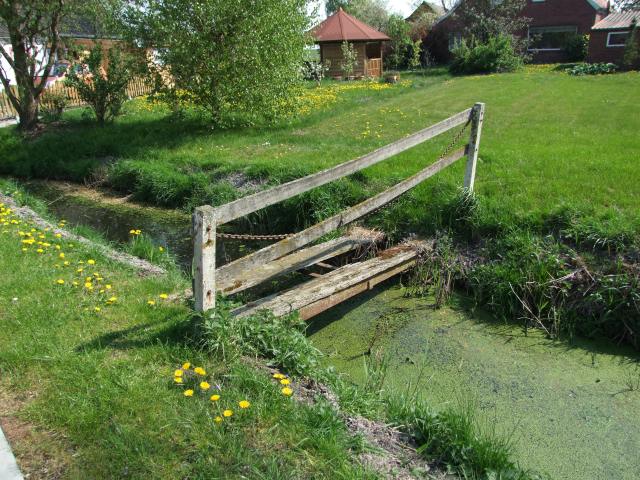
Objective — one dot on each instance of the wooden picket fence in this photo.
(136, 88)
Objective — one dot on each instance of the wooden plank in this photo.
(259, 200)
(290, 263)
(322, 293)
(474, 145)
(347, 216)
(204, 258)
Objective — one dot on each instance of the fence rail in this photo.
(206, 218)
(136, 88)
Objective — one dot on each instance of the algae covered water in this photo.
(570, 409)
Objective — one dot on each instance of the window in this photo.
(455, 39)
(617, 39)
(550, 38)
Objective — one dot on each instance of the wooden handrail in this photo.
(251, 203)
(206, 218)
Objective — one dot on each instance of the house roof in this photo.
(424, 8)
(599, 5)
(341, 27)
(617, 20)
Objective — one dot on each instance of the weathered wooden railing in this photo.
(207, 218)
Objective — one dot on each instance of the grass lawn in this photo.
(550, 140)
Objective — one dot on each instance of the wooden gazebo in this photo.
(367, 42)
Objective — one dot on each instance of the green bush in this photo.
(592, 69)
(281, 340)
(103, 88)
(52, 104)
(498, 54)
(576, 48)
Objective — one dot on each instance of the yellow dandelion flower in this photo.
(188, 393)
(177, 379)
(107, 286)
(113, 299)
(151, 302)
(91, 262)
(161, 249)
(227, 413)
(58, 235)
(163, 296)
(287, 392)
(278, 376)
(186, 365)
(200, 371)
(204, 386)
(214, 398)
(218, 419)
(61, 255)
(178, 373)
(40, 250)
(88, 285)
(285, 381)
(244, 404)
(66, 263)
(60, 281)
(80, 270)
(97, 309)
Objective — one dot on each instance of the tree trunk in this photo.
(28, 112)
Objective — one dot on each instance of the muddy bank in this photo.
(571, 409)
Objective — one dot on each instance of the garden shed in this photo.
(367, 42)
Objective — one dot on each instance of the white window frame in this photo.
(574, 27)
(617, 45)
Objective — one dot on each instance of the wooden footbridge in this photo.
(288, 255)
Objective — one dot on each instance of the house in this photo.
(609, 36)
(552, 23)
(367, 42)
(76, 39)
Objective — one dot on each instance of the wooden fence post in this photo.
(474, 145)
(204, 258)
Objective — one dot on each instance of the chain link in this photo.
(249, 237)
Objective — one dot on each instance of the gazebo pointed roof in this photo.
(341, 27)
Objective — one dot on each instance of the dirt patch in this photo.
(40, 454)
(392, 454)
(143, 267)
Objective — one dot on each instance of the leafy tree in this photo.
(631, 49)
(349, 59)
(34, 28)
(398, 30)
(239, 59)
(33, 25)
(102, 84)
(485, 19)
(332, 6)
(371, 12)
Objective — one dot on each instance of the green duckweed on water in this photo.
(571, 409)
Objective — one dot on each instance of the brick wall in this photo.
(600, 53)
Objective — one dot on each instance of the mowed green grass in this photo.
(549, 140)
(96, 388)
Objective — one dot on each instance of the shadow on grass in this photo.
(73, 150)
(174, 329)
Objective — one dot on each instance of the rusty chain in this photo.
(276, 237)
(247, 236)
